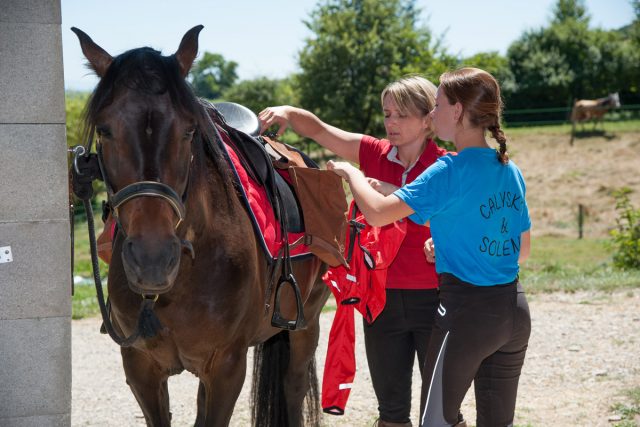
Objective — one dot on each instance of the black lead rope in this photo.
(84, 171)
(106, 319)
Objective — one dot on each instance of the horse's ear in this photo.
(98, 58)
(188, 50)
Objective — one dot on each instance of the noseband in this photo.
(140, 189)
(148, 189)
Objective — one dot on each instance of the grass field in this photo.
(559, 178)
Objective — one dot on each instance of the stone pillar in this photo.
(35, 277)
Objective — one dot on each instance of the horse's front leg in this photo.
(220, 385)
(148, 382)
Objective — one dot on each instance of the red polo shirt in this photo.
(379, 159)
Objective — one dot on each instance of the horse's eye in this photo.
(103, 131)
(189, 133)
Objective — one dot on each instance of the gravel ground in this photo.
(583, 355)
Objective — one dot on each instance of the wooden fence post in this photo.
(581, 212)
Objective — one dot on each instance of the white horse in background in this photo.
(593, 109)
(585, 110)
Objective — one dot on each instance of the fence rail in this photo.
(560, 115)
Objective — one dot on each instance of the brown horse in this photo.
(172, 191)
(593, 109)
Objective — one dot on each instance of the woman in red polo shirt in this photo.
(403, 328)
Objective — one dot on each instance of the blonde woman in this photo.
(403, 328)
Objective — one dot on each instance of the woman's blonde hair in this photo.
(479, 94)
(413, 95)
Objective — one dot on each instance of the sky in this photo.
(265, 36)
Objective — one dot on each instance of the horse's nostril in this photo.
(151, 264)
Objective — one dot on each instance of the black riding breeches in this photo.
(392, 341)
(481, 334)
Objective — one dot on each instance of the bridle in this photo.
(88, 167)
(140, 189)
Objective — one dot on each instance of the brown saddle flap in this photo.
(324, 206)
(293, 158)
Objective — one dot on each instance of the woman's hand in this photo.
(384, 188)
(274, 116)
(379, 210)
(430, 250)
(342, 169)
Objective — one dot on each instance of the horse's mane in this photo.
(147, 71)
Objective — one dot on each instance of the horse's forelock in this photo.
(146, 71)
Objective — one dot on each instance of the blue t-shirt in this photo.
(477, 210)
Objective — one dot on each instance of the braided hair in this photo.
(498, 135)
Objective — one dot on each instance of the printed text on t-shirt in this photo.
(507, 245)
(504, 199)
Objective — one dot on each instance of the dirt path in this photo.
(584, 352)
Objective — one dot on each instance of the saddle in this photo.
(294, 184)
(295, 187)
(258, 158)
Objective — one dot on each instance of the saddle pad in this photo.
(261, 213)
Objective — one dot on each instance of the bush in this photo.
(626, 237)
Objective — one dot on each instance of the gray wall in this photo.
(35, 304)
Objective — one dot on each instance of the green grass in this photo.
(82, 261)
(568, 265)
(629, 410)
(84, 302)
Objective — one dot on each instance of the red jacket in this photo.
(362, 286)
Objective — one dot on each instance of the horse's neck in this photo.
(607, 101)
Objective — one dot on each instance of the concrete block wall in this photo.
(35, 303)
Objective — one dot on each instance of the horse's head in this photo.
(144, 116)
(614, 100)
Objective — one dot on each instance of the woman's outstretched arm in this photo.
(378, 210)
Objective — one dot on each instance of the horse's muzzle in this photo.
(151, 265)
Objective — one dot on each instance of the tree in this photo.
(635, 26)
(570, 10)
(212, 75)
(260, 93)
(567, 60)
(634, 43)
(358, 47)
(547, 64)
(75, 103)
(497, 65)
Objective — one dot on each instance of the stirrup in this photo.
(277, 320)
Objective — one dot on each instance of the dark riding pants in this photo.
(400, 332)
(481, 334)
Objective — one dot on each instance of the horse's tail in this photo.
(270, 361)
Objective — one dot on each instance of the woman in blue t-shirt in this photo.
(475, 204)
